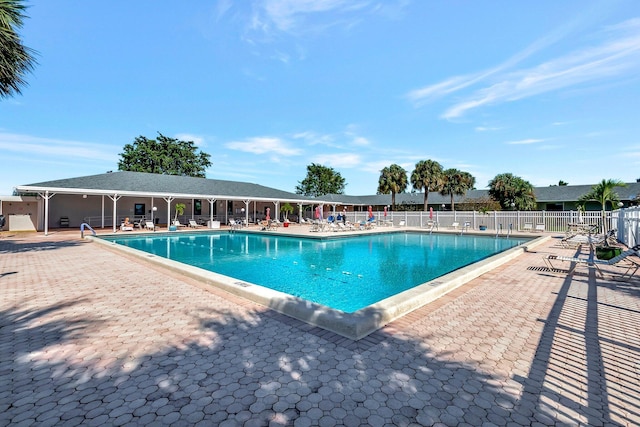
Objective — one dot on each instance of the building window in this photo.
(554, 207)
(138, 209)
(197, 207)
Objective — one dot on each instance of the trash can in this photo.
(2, 221)
(157, 221)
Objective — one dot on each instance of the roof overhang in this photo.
(107, 192)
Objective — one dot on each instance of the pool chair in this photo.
(126, 225)
(346, 226)
(176, 223)
(625, 261)
(149, 225)
(589, 239)
(193, 224)
(528, 227)
(540, 227)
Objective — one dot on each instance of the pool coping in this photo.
(356, 325)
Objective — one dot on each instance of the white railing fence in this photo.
(554, 221)
(627, 221)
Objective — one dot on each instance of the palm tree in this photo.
(602, 193)
(456, 182)
(393, 179)
(16, 60)
(512, 192)
(427, 175)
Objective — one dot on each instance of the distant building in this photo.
(106, 199)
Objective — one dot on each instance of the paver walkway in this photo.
(89, 336)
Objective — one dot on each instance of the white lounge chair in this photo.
(193, 224)
(346, 226)
(589, 239)
(528, 226)
(625, 260)
(149, 225)
(540, 227)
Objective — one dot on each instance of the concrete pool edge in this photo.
(355, 325)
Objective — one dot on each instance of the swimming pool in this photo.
(346, 274)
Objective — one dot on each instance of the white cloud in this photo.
(58, 148)
(313, 138)
(356, 139)
(612, 58)
(271, 18)
(197, 140)
(486, 129)
(525, 141)
(263, 145)
(338, 160)
(290, 15)
(618, 54)
(361, 141)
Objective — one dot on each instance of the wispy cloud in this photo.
(338, 160)
(525, 141)
(457, 83)
(353, 134)
(344, 140)
(197, 140)
(314, 138)
(486, 129)
(264, 145)
(618, 54)
(58, 148)
(269, 19)
(292, 16)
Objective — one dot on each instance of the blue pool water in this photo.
(346, 273)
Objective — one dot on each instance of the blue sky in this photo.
(546, 90)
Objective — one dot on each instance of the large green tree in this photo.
(603, 193)
(428, 176)
(16, 60)
(507, 188)
(164, 155)
(393, 179)
(456, 183)
(320, 180)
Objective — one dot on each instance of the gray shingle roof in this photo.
(139, 182)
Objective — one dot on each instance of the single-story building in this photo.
(105, 200)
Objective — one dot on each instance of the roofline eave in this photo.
(94, 192)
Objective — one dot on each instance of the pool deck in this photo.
(92, 336)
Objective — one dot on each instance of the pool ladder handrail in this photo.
(499, 230)
(465, 227)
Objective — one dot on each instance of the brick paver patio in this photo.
(89, 336)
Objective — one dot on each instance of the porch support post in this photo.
(168, 200)
(211, 205)
(46, 196)
(115, 199)
(246, 211)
